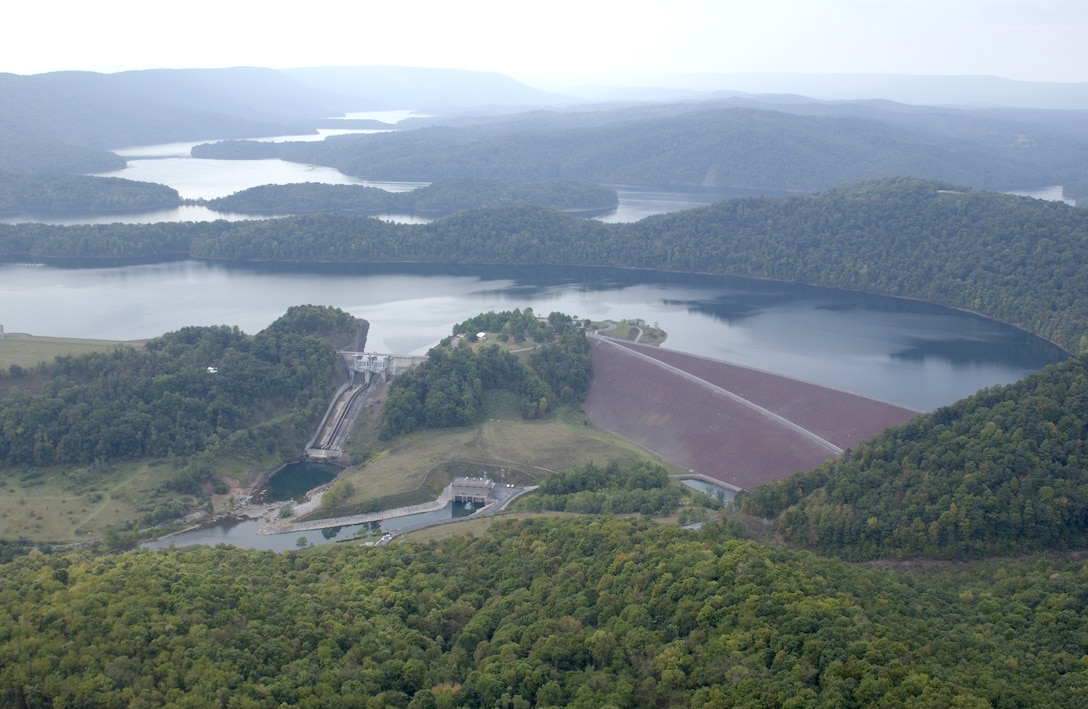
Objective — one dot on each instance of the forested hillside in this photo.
(803, 147)
(446, 389)
(185, 393)
(1012, 258)
(1003, 471)
(591, 489)
(67, 121)
(45, 194)
(445, 197)
(23, 151)
(590, 612)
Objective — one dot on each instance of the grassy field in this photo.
(72, 504)
(27, 351)
(415, 468)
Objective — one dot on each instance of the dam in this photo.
(368, 374)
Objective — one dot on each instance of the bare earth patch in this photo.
(735, 424)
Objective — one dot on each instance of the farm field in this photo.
(738, 425)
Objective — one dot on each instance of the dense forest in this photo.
(190, 392)
(1012, 258)
(580, 612)
(444, 197)
(1003, 471)
(45, 194)
(591, 489)
(446, 389)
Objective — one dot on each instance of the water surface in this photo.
(901, 351)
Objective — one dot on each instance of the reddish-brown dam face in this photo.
(735, 424)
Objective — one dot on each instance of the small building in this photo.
(474, 490)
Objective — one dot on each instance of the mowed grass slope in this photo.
(527, 450)
(27, 351)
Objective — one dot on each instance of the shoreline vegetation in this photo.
(1014, 259)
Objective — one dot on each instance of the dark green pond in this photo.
(296, 479)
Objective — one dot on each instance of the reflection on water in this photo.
(638, 202)
(181, 213)
(901, 351)
(294, 480)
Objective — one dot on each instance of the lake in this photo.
(171, 164)
(901, 351)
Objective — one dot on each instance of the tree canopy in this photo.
(446, 389)
(1002, 471)
(582, 612)
(53, 194)
(180, 394)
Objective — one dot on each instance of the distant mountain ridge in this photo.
(746, 144)
(67, 122)
(960, 91)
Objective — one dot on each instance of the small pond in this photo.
(294, 480)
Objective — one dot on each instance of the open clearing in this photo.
(29, 350)
(72, 504)
(526, 450)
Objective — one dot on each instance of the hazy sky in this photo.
(1037, 40)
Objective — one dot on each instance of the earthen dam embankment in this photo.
(735, 424)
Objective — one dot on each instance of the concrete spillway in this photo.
(368, 371)
(329, 440)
